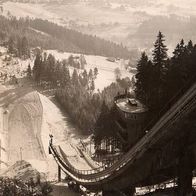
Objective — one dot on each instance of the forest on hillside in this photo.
(160, 79)
(47, 35)
(160, 82)
(75, 91)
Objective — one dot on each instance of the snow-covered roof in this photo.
(130, 105)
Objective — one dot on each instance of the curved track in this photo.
(119, 172)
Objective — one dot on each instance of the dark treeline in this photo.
(87, 44)
(75, 92)
(48, 35)
(84, 105)
(19, 47)
(160, 79)
(16, 187)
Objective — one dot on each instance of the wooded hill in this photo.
(48, 35)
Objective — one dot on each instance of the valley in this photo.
(131, 23)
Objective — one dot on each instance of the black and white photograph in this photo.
(97, 97)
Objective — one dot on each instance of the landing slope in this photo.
(24, 129)
(27, 119)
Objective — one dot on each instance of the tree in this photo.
(84, 78)
(25, 47)
(75, 78)
(11, 45)
(51, 66)
(37, 67)
(29, 71)
(90, 75)
(82, 61)
(159, 52)
(117, 73)
(66, 75)
(190, 47)
(92, 86)
(101, 122)
(143, 79)
(159, 69)
(180, 67)
(19, 47)
(71, 60)
(95, 72)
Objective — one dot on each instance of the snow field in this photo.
(105, 68)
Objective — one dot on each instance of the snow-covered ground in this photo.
(27, 117)
(65, 134)
(27, 122)
(105, 68)
(16, 66)
(12, 65)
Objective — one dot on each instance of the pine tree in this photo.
(19, 47)
(190, 47)
(25, 47)
(90, 75)
(66, 75)
(92, 86)
(159, 69)
(159, 52)
(51, 66)
(11, 45)
(143, 79)
(177, 51)
(75, 78)
(37, 67)
(95, 72)
(29, 71)
(85, 78)
(100, 124)
(180, 68)
(71, 60)
(191, 55)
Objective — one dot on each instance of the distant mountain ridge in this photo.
(130, 22)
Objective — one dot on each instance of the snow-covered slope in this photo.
(27, 119)
(65, 134)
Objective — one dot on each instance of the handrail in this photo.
(180, 108)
